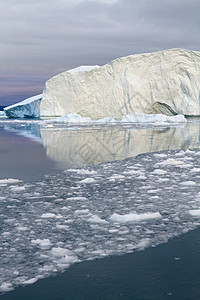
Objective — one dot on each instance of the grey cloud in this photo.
(39, 39)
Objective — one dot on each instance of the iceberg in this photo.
(28, 108)
(164, 82)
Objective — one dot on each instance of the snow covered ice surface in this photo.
(84, 214)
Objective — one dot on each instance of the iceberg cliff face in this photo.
(166, 82)
(162, 82)
(29, 108)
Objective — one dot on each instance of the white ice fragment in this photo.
(188, 183)
(17, 188)
(42, 243)
(81, 211)
(5, 287)
(59, 252)
(160, 155)
(9, 181)
(97, 219)
(22, 228)
(133, 217)
(117, 176)
(76, 198)
(189, 152)
(144, 243)
(159, 172)
(86, 172)
(48, 215)
(61, 226)
(195, 170)
(30, 281)
(170, 161)
(195, 212)
(87, 180)
(133, 172)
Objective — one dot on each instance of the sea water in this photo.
(98, 191)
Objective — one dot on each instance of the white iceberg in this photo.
(161, 82)
(165, 82)
(28, 108)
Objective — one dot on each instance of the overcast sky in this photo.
(41, 38)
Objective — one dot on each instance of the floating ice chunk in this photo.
(159, 172)
(181, 153)
(133, 217)
(17, 188)
(44, 244)
(30, 281)
(5, 287)
(195, 212)
(189, 152)
(117, 176)
(160, 155)
(5, 233)
(81, 211)
(48, 215)
(188, 183)
(163, 179)
(86, 172)
(134, 172)
(155, 191)
(143, 244)
(195, 170)
(9, 181)
(87, 180)
(77, 198)
(60, 226)
(59, 252)
(22, 228)
(97, 219)
(171, 161)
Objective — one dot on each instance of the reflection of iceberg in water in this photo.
(88, 146)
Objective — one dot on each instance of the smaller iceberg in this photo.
(29, 108)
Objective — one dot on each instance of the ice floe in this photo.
(133, 217)
(84, 214)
